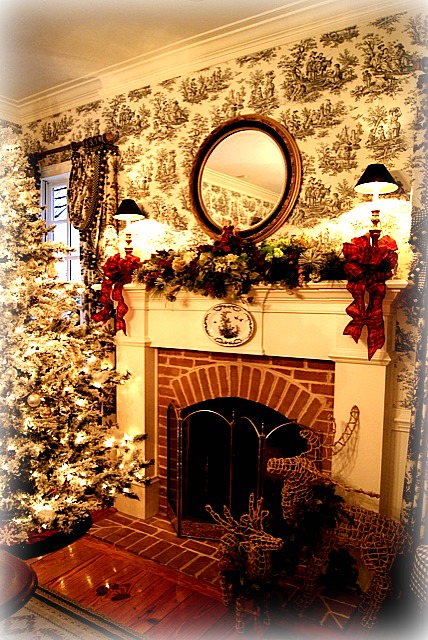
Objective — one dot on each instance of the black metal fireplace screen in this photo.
(217, 455)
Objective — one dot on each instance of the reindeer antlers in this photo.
(227, 521)
(352, 424)
(333, 449)
(248, 522)
(255, 516)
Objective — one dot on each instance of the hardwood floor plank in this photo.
(99, 546)
(146, 607)
(149, 594)
(190, 620)
(155, 609)
(74, 556)
(117, 582)
(224, 628)
(155, 601)
(132, 594)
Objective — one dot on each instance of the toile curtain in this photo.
(415, 496)
(92, 202)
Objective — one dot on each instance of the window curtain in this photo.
(92, 202)
(415, 496)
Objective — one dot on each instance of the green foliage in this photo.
(230, 267)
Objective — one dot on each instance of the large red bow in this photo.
(118, 271)
(367, 268)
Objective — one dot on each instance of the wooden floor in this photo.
(153, 600)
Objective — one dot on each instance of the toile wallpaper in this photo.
(349, 97)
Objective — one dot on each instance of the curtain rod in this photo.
(93, 141)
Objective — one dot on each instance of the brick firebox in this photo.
(302, 390)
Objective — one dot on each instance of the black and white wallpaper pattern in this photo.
(350, 97)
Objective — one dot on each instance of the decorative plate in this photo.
(228, 325)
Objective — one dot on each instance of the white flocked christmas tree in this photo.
(61, 455)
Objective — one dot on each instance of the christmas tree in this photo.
(61, 455)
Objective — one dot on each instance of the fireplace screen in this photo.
(217, 454)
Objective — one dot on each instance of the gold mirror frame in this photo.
(292, 183)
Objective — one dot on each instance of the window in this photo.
(54, 198)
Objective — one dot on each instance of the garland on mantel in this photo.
(228, 268)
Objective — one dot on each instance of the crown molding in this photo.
(9, 111)
(297, 20)
(244, 188)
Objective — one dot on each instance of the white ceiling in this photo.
(46, 43)
(56, 54)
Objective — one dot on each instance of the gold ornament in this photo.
(45, 412)
(34, 400)
(51, 270)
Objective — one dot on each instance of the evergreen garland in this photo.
(231, 266)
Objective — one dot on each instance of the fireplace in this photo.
(217, 454)
(297, 362)
(250, 396)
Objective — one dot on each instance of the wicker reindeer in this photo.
(245, 549)
(376, 538)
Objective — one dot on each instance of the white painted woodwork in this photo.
(306, 323)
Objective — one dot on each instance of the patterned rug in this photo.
(49, 616)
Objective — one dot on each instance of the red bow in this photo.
(118, 271)
(367, 269)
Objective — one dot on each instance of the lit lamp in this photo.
(128, 211)
(375, 180)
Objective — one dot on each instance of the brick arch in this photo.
(251, 382)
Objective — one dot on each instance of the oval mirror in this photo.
(247, 173)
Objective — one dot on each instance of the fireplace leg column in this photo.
(362, 384)
(136, 415)
(137, 402)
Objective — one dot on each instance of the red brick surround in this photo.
(299, 389)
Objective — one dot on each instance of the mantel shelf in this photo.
(306, 322)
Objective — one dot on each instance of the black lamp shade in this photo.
(129, 211)
(376, 179)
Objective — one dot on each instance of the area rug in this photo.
(49, 616)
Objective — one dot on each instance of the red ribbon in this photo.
(118, 271)
(367, 268)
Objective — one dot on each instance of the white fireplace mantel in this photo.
(305, 323)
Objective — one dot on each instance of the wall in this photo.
(348, 96)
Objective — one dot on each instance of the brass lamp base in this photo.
(375, 231)
(128, 248)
